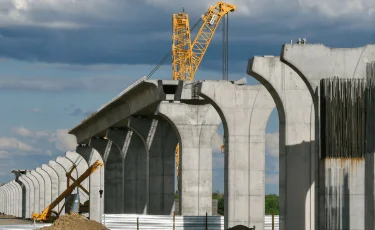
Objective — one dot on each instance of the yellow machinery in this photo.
(46, 214)
(187, 56)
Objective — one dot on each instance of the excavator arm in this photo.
(46, 214)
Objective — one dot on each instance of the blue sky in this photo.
(62, 59)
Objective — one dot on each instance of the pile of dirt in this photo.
(239, 227)
(66, 222)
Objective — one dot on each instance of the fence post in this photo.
(174, 216)
(137, 223)
(206, 222)
(273, 221)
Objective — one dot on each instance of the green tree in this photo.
(272, 204)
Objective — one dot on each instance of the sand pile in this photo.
(71, 222)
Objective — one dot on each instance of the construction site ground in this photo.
(10, 220)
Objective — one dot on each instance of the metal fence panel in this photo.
(129, 221)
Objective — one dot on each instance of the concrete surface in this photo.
(195, 125)
(244, 111)
(47, 187)
(96, 181)
(81, 167)
(34, 198)
(160, 143)
(298, 156)
(29, 196)
(60, 171)
(54, 179)
(41, 188)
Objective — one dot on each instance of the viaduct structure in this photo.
(136, 133)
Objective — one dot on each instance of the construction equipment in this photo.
(187, 56)
(46, 214)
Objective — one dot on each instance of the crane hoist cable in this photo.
(169, 53)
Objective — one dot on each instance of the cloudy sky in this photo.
(62, 59)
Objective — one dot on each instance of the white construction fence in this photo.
(142, 222)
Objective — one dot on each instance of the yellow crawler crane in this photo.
(186, 57)
(46, 214)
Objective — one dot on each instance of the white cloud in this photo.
(7, 143)
(272, 144)
(35, 110)
(272, 178)
(60, 138)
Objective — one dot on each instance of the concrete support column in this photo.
(60, 171)
(35, 184)
(161, 141)
(41, 184)
(30, 196)
(22, 193)
(244, 111)
(54, 183)
(11, 198)
(25, 196)
(96, 181)
(47, 187)
(2, 200)
(113, 178)
(16, 198)
(18, 211)
(298, 156)
(6, 202)
(196, 125)
(81, 168)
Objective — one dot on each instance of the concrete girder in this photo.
(60, 171)
(35, 182)
(82, 166)
(160, 143)
(297, 141)
(47, 188)
(54, 183)
(244, 111)
(25, 196)
(96, 181)
(41, 184)
(29, 196)
(314, 62)
(195, 125)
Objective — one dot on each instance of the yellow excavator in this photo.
(187, 56)
(46, 215)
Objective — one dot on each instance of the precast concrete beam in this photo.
(81, 167)
(96, 181)
(160, 141)
(36, 185)
(60, 171)
(136, 97)
(244, 111)
(195, 125)
(47, 187)
(42, 194)
(29, 196)
(54, 179)
(298, 155)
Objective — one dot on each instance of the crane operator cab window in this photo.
(213, 19)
